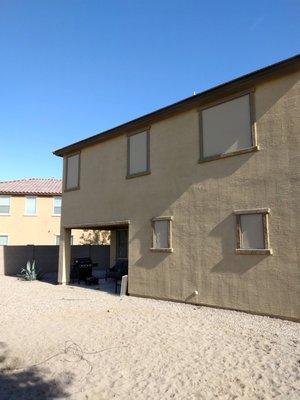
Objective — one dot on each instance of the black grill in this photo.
(81, 269)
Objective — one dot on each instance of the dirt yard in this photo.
(62, 342)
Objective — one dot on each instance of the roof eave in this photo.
(240, 83)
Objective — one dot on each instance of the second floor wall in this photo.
(173, 170)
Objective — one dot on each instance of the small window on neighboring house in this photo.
(4, 204)
(227, 129)
(57, 206)
(72, 172)
(138, 160)
(57, 239)
(3, 240)
(162, 234)
(252, 231)
(30, 205)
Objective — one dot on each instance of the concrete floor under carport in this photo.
(64, 262)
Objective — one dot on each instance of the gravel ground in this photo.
(60, 342)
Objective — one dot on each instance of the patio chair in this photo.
(117, 271)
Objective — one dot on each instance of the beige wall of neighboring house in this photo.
(38, 229)
(202, 199)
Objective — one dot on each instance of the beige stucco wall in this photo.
(201, 198)
(39, 229)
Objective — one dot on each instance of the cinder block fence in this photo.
(13, 258)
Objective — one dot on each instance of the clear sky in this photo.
(72, 68)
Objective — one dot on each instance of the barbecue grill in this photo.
(81, 268)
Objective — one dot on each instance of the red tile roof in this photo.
(34, 186)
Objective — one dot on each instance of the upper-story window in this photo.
(57, 206)
(227, 128)
(138, 150)
(4, 205)
(72, 172)
(30, 205)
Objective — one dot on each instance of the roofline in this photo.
(241, 83)
(37, 194)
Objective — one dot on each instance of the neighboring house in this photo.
(30, 211)
(202, 196)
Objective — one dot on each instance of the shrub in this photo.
(30, 272)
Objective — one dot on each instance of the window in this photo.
(57, 239)
(4, 204)
(30, 206)
(252, 231)
(227, 129)
(57, 206)
(162, 234)
(138, 157)
(3, 240)
(72, 172)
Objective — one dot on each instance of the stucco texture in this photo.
(201, 198)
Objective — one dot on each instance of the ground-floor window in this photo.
(162, 234)
(252, 231)
(3, 240)
(57, 239)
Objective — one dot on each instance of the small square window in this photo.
(72, 172)
(4, 204)
(138, 159)
(57, 206)
(162, 234)
(252, 231)
(3, 240)
(30, 205)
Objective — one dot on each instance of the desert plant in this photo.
(30, 272)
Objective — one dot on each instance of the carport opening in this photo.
(101, 259)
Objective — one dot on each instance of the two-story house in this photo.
(30, 211)
(202, 196)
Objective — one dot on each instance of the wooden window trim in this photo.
(168, 249)
(148, 171)
(66, 171)
(254, 145)
(265, 221)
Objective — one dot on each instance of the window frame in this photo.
(53, 210)
(147, 171)
(66, 171)
(26, 214)
(58, 237)
(9, 197)
(6, 235)
(168, 249)
(254, 146)
(265, 212)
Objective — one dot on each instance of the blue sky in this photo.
(72, 68)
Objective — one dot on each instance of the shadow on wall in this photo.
(27, 383)
(231, 262)
(199, 183)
